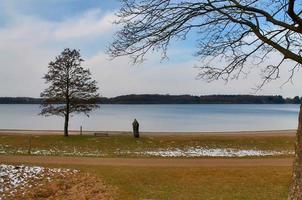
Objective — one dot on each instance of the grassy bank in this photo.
(125, 145)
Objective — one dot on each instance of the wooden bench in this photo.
(100, 134)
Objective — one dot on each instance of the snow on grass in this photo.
(15, 179)
(216, 152)
(79, 153)
(163, 152)
(7, 150)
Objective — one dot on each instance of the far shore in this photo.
(220, 133)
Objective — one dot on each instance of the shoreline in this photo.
(290, 132)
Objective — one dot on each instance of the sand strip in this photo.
(227, 133)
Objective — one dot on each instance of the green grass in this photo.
(112, 145)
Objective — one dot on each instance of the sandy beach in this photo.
(227, 133)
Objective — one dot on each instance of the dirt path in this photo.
(148, 162)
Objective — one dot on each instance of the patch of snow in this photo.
(15, 179)
(167, 152)
(205, 152)
(50, 152)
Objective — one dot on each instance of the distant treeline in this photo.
(189, 99)
(171, 99)
(19, 100)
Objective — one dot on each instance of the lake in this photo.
(201, 117)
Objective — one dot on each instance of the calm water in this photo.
(159, 117)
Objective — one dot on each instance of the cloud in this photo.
(28, 43)
(92, 23)
(117, 77)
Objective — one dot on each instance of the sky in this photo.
(33, 32)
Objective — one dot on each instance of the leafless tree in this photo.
(71, 89)
(239, 32)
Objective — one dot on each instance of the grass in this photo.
(224, 183)
(167, 183)
(199, 183)
(114, 144)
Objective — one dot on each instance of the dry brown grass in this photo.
(79, 186)
(115, 145)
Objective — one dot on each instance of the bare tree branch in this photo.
(71, 89)
(232, 36)
(224, 29)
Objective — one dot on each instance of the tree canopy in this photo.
(71, 88)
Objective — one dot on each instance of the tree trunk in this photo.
(296, 188)
(67, 104)
(66, 125)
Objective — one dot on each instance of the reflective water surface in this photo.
(216, 117)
